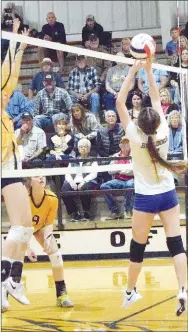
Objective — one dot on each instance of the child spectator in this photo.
(62, 143)
(172, 46)
(121, 180)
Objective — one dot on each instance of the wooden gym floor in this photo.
(96, 287)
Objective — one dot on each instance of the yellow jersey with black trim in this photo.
(44, 213)
(10, 72)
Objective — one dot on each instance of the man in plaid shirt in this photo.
(83, 85)
(50, 101)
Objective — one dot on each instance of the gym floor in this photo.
(96, 288)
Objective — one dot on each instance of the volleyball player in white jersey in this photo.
(154, 186)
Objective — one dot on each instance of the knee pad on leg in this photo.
(137, 251)
(175, 245)
(20, 234)
(56, 259)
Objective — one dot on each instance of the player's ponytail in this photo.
(148, 122)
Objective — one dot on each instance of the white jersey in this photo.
(146, 180)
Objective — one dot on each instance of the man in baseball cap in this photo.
(37, 81)
(90, 27)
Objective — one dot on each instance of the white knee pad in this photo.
(20, 234)
(56, 259)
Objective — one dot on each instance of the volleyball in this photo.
(142, 46)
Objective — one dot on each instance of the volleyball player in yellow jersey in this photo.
(44, 204)
(13, 191)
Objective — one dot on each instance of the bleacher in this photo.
(30, 64)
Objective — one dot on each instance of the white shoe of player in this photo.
(181, 302)
(4, 297)
(16, 290)
(131, 298)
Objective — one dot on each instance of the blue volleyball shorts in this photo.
(156, 203)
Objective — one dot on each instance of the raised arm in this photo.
(153, 89)
(123, 93)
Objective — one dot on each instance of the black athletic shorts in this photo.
(6, 181)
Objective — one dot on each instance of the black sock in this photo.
(5, 269)
(60, 287)
(128, 293)
(16, 271)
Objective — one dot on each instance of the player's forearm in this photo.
(153, 89)
(126, 86)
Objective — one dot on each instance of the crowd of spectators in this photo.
(57, 122)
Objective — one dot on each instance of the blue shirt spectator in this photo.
(171, 47)
(17, 105)
(161, 78)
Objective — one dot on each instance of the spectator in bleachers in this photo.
(80, 182)
(114, 80)
(175, 135)
(183, 46)
(53, 31)
(31, 140)
(17, 105)
(125, 47)
(84, 125)
(9, 14)
(37, 82)
(49, 101)
(184, 32)
(91, 26)
(172, 46)
(166, 101)
(121, 179)
(83, 85)
(136, 105)
(62, 143)
(175, 78)
(109, 137)
(161, 79)
(99, 64)
(183, 43)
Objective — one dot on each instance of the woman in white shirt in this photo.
(80, 182)
(154, 185)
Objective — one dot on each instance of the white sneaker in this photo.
(4, 297)
(17, 291)
(182, 302)
(130, 299)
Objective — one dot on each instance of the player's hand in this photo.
(147, 64)
(16, 25)
(48, 244)
(46, 37)
(24, 129)
(81, 185)
(31, 255)
(26, 33)
(73, 185)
